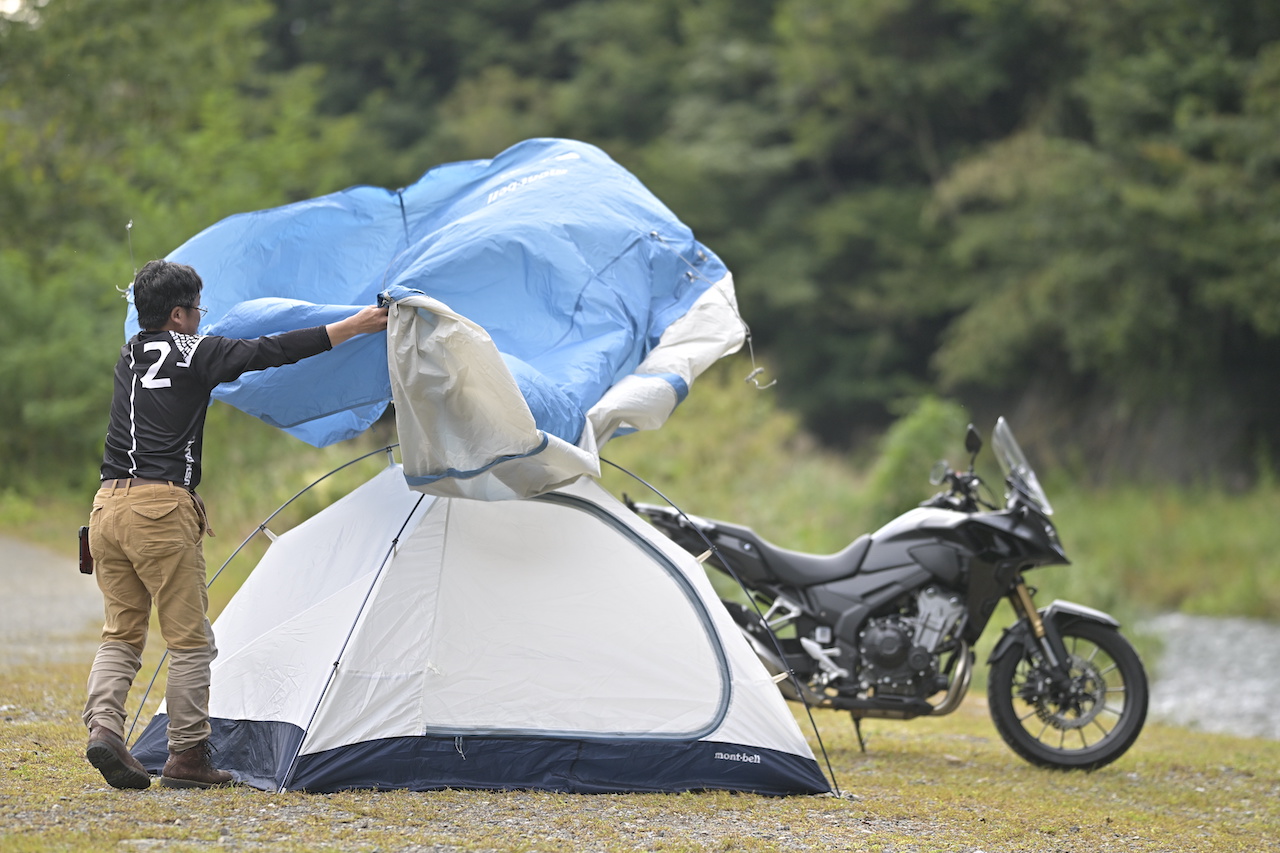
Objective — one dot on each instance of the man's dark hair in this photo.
(161, 286)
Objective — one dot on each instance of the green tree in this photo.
(1135, 263)
(116, 112)
(882, 100)
(396, 66)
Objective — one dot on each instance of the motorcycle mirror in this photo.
(972, 441)
(938, 473)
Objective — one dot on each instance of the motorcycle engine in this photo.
(899, 652)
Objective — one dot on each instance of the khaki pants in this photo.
(146, 544)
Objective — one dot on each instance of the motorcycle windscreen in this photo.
(526, 618)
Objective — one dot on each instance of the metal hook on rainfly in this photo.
(751, 377)
(128, 234)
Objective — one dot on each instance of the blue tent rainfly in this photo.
(540, 303)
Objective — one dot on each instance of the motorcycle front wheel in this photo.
(1084, 724)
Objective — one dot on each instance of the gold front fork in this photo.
(1021, 598)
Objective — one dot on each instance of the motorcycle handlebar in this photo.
(961, 493)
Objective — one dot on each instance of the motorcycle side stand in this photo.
(857, 727)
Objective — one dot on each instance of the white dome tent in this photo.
(400, 640)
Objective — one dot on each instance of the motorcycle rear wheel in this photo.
(1088, 725)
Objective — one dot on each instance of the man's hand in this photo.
(363, 322)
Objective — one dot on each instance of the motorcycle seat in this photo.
(808, 569)
(797, 567)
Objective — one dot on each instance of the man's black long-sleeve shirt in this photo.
(163, 381)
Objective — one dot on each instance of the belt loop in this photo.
(127, 484)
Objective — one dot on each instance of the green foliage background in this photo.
(1066, 212)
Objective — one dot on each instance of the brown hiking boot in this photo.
(191, 768)
(107, 752)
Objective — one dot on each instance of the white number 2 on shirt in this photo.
(149, 380)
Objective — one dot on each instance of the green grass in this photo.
(1201, 551)
(926, 785)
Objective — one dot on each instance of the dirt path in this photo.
(51, 611)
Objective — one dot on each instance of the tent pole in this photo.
(261, 528)
(333, 671)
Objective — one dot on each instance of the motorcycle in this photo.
(888, 624)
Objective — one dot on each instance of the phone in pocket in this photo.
(86, 558)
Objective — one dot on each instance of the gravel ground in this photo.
(1218, 675)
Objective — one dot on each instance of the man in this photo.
(147, 523)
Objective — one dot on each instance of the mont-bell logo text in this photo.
(747, 757)
(524, 182)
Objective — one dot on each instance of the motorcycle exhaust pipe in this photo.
(959, 684)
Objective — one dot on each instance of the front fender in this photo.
(1056, 616)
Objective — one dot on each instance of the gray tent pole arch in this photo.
(261, 528)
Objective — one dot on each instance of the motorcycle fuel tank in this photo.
(923, 537)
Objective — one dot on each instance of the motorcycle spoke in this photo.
(1085, 713)
(1075, 720)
